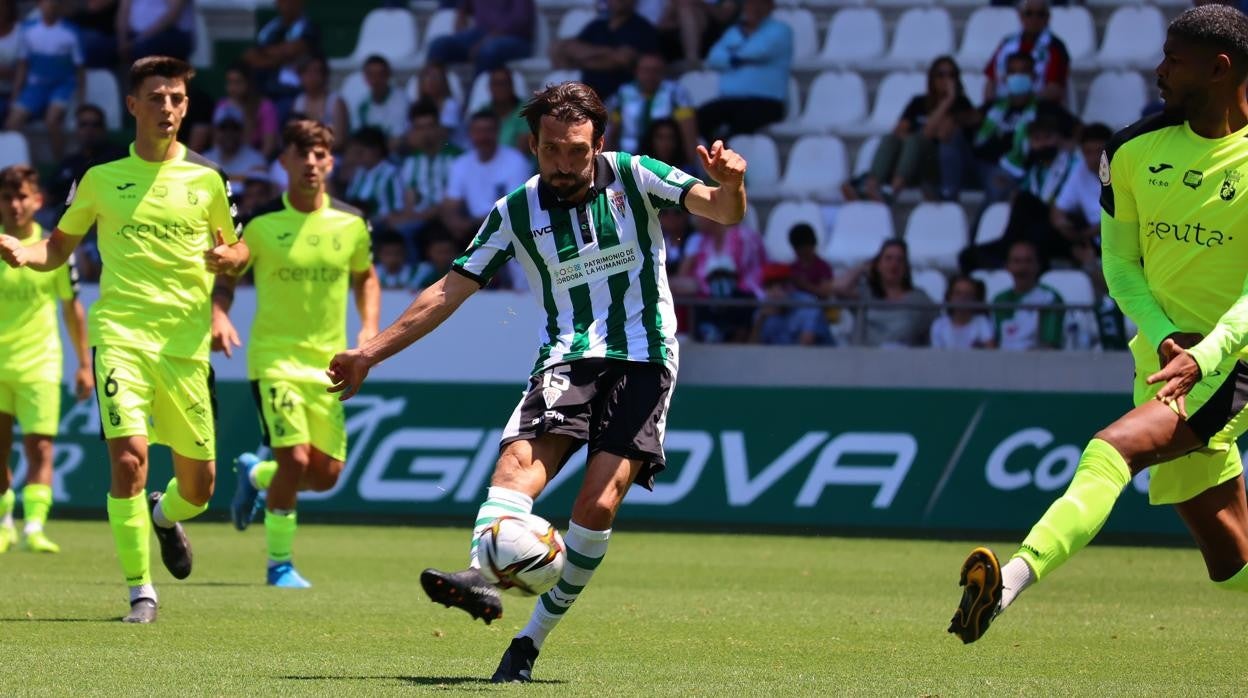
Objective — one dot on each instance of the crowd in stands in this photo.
(426, 170)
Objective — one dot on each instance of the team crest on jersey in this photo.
(192, 198)
(1229, 180)
(1104, 170)
(617, 200)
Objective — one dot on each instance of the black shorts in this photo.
(619, 407)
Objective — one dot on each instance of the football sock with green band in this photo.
(499, 501)
(262, 474)
(6, 507)
(36, 501)
(1073, 520)
(1237, 583)
(172, 508)
(279, 532)
(584, 552)
(132, 535)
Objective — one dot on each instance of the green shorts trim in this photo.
(293, 413)
(170, 400)
(36, 406)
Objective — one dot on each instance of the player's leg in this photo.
(8, 533)
(283, 424)
(1218, 520)
(54, 119)
(130, 521)
(39, 413)
(280, 518)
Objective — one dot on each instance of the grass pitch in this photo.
(666, 614)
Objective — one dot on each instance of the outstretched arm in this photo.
(726, 202)
(367, 289)
(45, 255)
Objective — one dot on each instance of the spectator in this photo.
(10, 35)
(375, 187)
(753, 59)
(964, 328)
(97, 29)
(438, 253)
(1076, 213)
(1021, 329)
(886, 281)
(155, 28)
(677, 234)
(283, 47)
(434, 87)
(811, 275)
(393, 270)
(726, 262)
(481, 177)
(257, 191)
(778, 323)
(49, 73)
(664, 141)
(244, 103)
(425, 173)
(93, 148)
(644, 101)
(317, 101)
(235, 157)
(488, 32)
(606, 50)
(196, 129)
(687, 27)
(1050, 59)
(928, 145)
(384, 107)
(513, 130)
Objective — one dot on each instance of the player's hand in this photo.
(1179, 374)
(347, 371)
(84, 383)
(722, 164)
(1181, 341)
(12, 251)
(225, 259)
(224, 336)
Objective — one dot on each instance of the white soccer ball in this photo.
(524, 554)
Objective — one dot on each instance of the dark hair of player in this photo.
(568, 102)
(306, 134)
(159, 67)
(14, 176)
(1220, 27)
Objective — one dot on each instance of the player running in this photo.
(306, 249)
(30, 360)
(165, 226)
(1175, 230)
(586, 231)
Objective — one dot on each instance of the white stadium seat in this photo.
(992, 223)
(412, 88)
(1115, 98)
(14, 150)
(1073, 285)
(441, 23)
(763, 173)
(1133, 38)
(784, 216)
(935, 234)
(389, 32)
(860, 229)
(479, 94)
(995, 281)
(855, 38)
(985, 29)
(701, 85)
(973, 83)
(201, 57)
(865, 156)
(1074, 26)
(901, 3)
(815, 168)
(933, 282)
(353, 89)
(921, 35)
(103, 92)
(540, 58)
(805, 36)
(573, 21)
(833, 100)
(894, 93)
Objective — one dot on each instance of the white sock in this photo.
(499, 501)
(158, 515)
(1015, 577)
(142, 591)
(585, 550)
(32, 527)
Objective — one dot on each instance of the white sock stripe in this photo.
(513, 498)
(587, 534)
(576, 575)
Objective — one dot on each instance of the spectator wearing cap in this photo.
(489, 33)
(257, 190)
(235, 157)
(93, 149)
(647, 99)
(244, 103)
(283, 46)
(964, 328)
(49, 75)
(753, 59)
(778, 323)
(384, 107)
(317, 101)
(1050, 70)
(607, 48)
(480, 177)
(155, 28)
(375, 187)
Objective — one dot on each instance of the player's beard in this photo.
(567, 184)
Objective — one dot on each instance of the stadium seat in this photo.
(985, 29)
(390, 32)
(1074, 26)
(855, 38)
(933, 282)
(1133, 38)
(860, 229)
(14, 150)
(563, 4)
(900, 3)
(201, 57)
(441, 23)
(555, 77)
(894, 93)
(936, 233)
(921, 35)
(995, 281)
(784, 216)
(412, 88)
(1115, 98)
(103, 92)
(763, 158)
(973, 84)
(479, 94)
(1114, 3)
(701, 85)
(573, 21)
(815, 168)
(865, 156)
(1074, 285)
(805, 37)
(833, 100)
(992, 223)
(540, 60)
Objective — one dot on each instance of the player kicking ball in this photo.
(306, 250)
(586, 232)
(166, 227)
(1175, 238)
(30, 367)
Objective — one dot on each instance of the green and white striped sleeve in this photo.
(665, 186)
(493, 245)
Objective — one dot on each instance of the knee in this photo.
(1115, 435)
(323, 477)
(130, 467)
(197, 490)
(595, 511)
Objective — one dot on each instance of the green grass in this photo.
(667, 614)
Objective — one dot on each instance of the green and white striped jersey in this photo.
(597, 269)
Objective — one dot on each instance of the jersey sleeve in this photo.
(1120, 249)
(80, 214)
(665, 186)
(222, 211)
(1227, 338)
(362, 254)
(493, 245)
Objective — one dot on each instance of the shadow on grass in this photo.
(27, 619)
(414, 680)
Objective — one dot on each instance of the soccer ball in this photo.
(524, 554)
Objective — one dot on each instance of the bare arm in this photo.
(224, 335)
(367, 289)
(19, 79)
(726, 202)
(76, 325)
(45, 255)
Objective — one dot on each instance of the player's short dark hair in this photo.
(306, 134)
(377, 59)
(802, 235)
(159, 67)
(372, 137)
(14, 176)
(423, 108)
(568, 102)
(1096, 132)
(1221, 27)
(1020, 56)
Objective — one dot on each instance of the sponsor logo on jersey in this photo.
(1189, 233)
(160, 191)
(1161, 167)
(158, 231)
(596, 266)
(123, 187)
(326, 275)
(538, 232)
(1193, 178)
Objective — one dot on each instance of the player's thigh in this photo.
(39, 408)
(1217, 406)
(125, 381)
(326, 421)
(551, 421)
(282, 405)
(1149, 434)
(630, 416)
(1218, 521)
(184, 408)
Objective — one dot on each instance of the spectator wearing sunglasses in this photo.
(93, 148)
(1052, 60)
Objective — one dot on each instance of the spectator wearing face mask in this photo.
(1050, 59)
